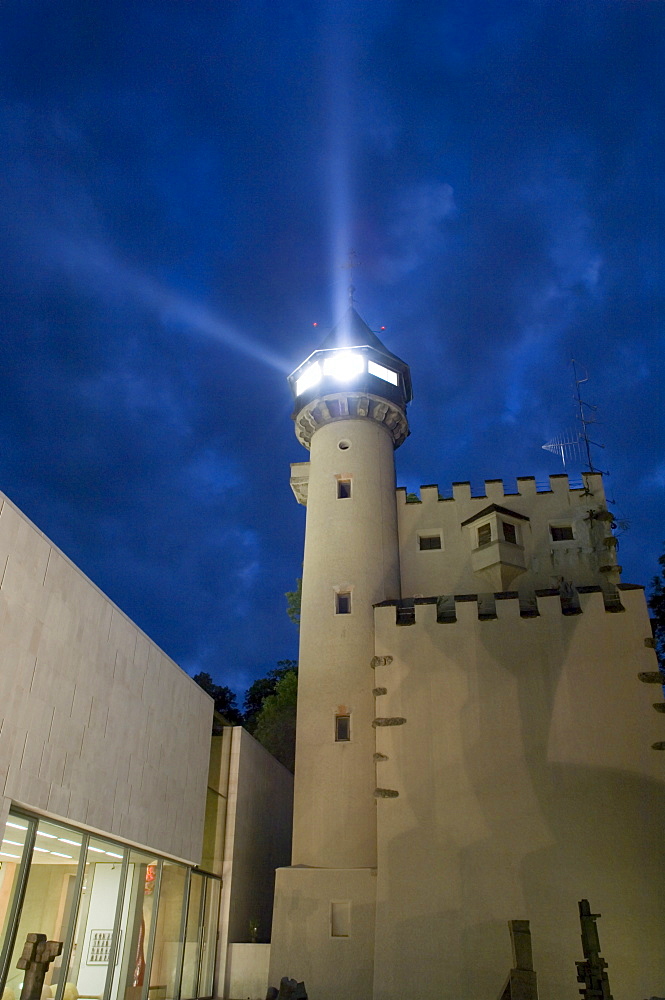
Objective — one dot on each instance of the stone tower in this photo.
(350, 412)
(475, 744)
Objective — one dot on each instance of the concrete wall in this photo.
(303, 945)
(97, 724)
(526, 781)
(450, 570)
(247, 966)
(258, 840)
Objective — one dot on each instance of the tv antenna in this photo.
(566, 446)
(586, 416)
(575, 446)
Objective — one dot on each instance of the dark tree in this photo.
(223, 697)
(293, 599)
(262, 688)
(276, 722)
(656, 604)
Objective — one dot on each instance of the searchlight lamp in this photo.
(344, 366)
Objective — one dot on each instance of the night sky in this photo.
(181, 185)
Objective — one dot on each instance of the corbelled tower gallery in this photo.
(474, 745)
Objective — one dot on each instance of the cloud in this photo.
(416, 230)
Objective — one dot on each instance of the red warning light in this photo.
(383, 327)
(315, 324)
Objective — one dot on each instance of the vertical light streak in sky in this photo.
(338, 89)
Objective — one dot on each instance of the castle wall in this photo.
(323, 931)
(525, 781)
(450, 569)
(97, 724)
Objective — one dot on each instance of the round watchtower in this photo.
(350, 412)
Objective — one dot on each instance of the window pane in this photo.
(92, 946)
(509, 532)
(168, 943)
(11, 854)
(485, 534)
(429, 542)
(208, 951)
(190, 966)
(49, 898)
(343, 489)
(343, 604)
(135, 923)
(342, 728)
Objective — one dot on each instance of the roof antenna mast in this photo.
(586, 416)
(352, 261)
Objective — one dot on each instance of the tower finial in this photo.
(352, 292)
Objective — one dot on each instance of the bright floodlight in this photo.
(344, 366)
(309, 377)
(385, 373)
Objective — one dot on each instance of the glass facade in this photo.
(133, 926)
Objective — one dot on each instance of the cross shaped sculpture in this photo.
(38, 953)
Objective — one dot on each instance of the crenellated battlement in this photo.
(509, 604)
(590, 484)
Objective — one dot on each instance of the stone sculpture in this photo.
(592, 972)
(37, 955)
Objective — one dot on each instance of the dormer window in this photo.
(509, 532)
(484, 534)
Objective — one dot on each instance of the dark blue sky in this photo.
(180, 184)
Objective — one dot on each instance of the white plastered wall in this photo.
(97, 725)
(526, 782)
(257, 842)
(449, 570)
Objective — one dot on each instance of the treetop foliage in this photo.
(656, 602)
(270, 708)
(223, 697)
(293, 600)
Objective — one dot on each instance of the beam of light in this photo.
(338, 85)
(98, 269)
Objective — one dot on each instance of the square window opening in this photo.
(343, 603)
(429, 542)
(343, 489)
(342, 728)
(561, 532)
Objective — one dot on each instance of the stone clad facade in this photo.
(497, 762)
(97, 724)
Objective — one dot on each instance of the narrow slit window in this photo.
(343, 489)
(342, 728)
(561, 532)
(429, 542)
(509, 532)
(343, 603)
(484, 534)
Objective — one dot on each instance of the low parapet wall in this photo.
(569, 601)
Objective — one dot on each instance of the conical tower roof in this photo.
(353, 331)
